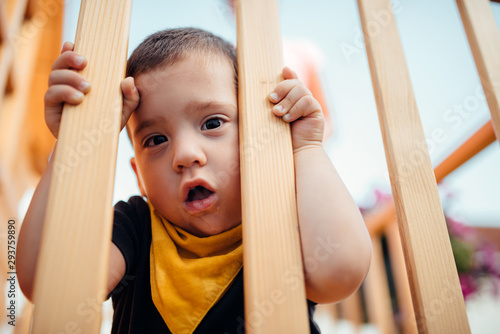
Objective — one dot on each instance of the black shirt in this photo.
(134, 310)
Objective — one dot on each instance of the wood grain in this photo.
(275, 300)
(436, 293)
(484, 40)
(406, 313)
(11, 15)
(41, 141)
(72, 268)
(14, 105)
(3, 22)
(352, 308)
(376, 288)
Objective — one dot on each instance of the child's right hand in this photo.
(68, 86)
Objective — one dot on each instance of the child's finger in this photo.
(67, 46)
(290, 99)
(288, 73)
(131, 98)
(70, 59)
(55, 96)
(69, 77)
(58, 94)
(305, 106)
(282, 89)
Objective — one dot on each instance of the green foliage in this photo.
(464, 254)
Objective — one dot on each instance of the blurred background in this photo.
(323, 41)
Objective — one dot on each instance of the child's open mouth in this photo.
(199, 198)
(198, 193)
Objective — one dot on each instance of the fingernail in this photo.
(84, 86)
(79, 60)
(279, 108)
(287, 117)
(78, 95)
(274, 96)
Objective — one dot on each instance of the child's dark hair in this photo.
(169, 46)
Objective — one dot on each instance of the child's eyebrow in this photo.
(146, 124)
(196, 106)
(191, 107)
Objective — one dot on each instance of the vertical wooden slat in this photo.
(484, 40)
(14, 11)
(353, 310)
(72, 268)
(3, 22)
(16, 173)
(376, 287)
(6, 56)
(4, 42)
(333, 310)
(9, 86)
(23, 324)
(437, 297)
(403, 293)
(14, 105)
(33, 6)
(275, 300)
(40, 139)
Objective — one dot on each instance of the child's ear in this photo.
(139, 181)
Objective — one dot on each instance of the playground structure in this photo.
(30, 39)
(435, 304)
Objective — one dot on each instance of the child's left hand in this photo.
(295, 103)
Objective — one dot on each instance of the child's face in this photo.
(185, 138)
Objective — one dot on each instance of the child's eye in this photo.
(212, 123)
(155, 140)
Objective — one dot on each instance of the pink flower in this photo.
(460, 230)
(468, 284)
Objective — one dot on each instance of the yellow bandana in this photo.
(190, 274)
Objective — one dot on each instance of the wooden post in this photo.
(12, 14)
(14, 105)
(72, 268)
(436, 294)
(23, 324)
(32, 7)
(400, 277)
(378, 296)
(353, 310)
(484, 40)
(3, 22)
(41, 141)
(17, 11)
(275, 300)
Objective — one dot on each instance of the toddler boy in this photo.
(176, 252)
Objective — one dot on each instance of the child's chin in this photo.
(209, 229)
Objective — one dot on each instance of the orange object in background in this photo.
(305, 58)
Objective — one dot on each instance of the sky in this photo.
(442, 71)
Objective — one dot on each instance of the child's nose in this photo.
(188, 154)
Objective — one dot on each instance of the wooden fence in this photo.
(30, 41)
(427, 280)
